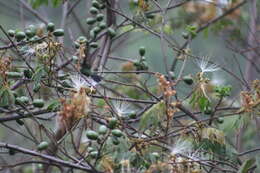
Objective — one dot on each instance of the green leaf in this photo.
(37, 3)
(223, 91)
(6, 97)
(38, 75)
(53, 106)
(168, 29)
(247, 165)
(56, 3)
(153, 116)
(204, 103)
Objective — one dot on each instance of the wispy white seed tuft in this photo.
(79, 82)
(205, 66)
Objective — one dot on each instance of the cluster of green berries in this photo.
(141, 64)
(97, 19)
(109, 129)
(30, 32)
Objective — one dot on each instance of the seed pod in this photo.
(111, 32)
(36, 87)
(115, 141)
(93, 45)
(90, 20)
(96, 29)
(188, 79)
(35, 39)
(91, 149)
(95, 4)
(58, 33)
(92, 34)
(150, 16)
(27, 73)
(22, 100)
(43, 145)
(11, 32)
(91, 134)
(100, 17)
(14, 75)
(102, 129)
(93, 154)
(142, 51)
(102, 25)
(220, 120)
(102, 6)
(117, 132)
(20, 122)
(132, 115)
(76, 44)
(29, 33)
(82, 40)
(208, 111)
(112, 123)
(20, 35)
(38, 103)
(93, 10)
(156, 155)
(50, 27)
(185, 35)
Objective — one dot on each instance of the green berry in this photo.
(102, 6)
(29, 33)
(50, 27)
(115, 141)
(142, 51)
(91, 134)
(93, 154)
(150, 16)
(102, 25)
(102, 129)
(58, 33)
(90, 20)
(38, 103)
(188, 79)
(32, 28)
(27, 73)
(35, 38)
(92, 34)
(117, 132)
(172, 75)
(43, 145)
(156, 155)
(82, 40)
(22, 100)
(208, 111)
(185, 35)
(112, 123)
(111, 32)
(11, 32)
(132, 115)
(93, 10)
(96, 29)
(91, 149)
(20, 122)
(95, 4)
(220, 120)
(93, 45)
(100, 17)
(36, 87)
(20, 35)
